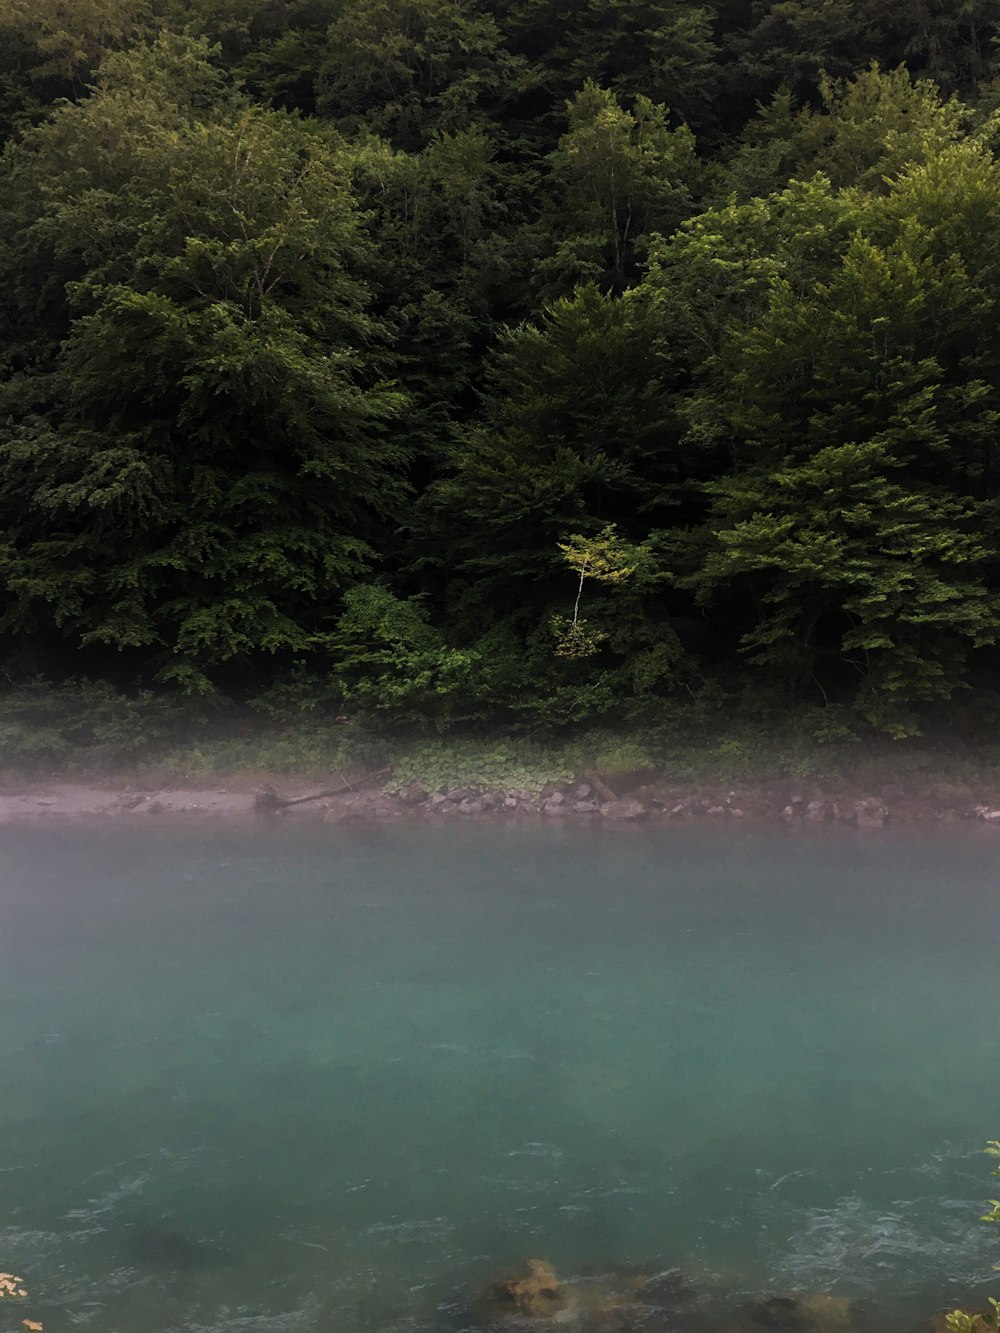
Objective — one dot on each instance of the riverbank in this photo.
(613, 797)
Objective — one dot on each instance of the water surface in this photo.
(292, 1078)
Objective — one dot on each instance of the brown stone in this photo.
(530, 1291)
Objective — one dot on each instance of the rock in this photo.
(553, 807)
(414, 793)
(459, 794)
(810, 1312)
(828, 1314)
(716, 810)
(681, 808)
(667, 1289)
(267, 800)
(789, 812)
(950, 793)
(557, 798)
(378, 807)
(531, 1291)
(816, 812)
(585, 807)
(617, 1316)
(470, 806)
(490, 800)
(438, 799)
(735, 813)
(870, 813)
(582, 790)
(988, 815)
(779, 1314)
(625, 809)
(510, 803)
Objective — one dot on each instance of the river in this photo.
(265, 1077)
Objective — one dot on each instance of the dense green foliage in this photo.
(452, 362)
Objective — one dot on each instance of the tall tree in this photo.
(408, 70)
(853, 380)
(196, 459)
(50, 49)
(618, 175)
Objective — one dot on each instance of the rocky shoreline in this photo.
(619, 798)
(533, 1298)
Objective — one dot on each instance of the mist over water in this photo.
(287, 1077)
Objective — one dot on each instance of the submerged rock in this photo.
(668, 1289)
(808, 1312)
(620, 1300)
(530, 1291)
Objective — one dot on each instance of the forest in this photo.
(504, 363)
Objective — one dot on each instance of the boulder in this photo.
(950, 793)
(529, 1291)
(870, 813)
(625, 809)
(414, 793)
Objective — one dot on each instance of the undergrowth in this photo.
(89, 729)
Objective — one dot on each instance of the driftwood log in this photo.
(268, 802)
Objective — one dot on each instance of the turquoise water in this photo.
(297, 1078)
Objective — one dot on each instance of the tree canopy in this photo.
(480, 367)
